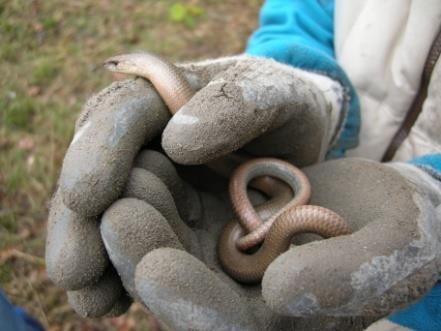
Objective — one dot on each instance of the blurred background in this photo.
(50, 62)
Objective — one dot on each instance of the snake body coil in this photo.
(274, 222)
(249, 268)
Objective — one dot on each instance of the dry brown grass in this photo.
(50, 55)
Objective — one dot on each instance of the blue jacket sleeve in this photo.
(431, 163)
(424, 315)
(300, 33)
(14, 318)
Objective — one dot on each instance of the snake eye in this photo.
(110, 65)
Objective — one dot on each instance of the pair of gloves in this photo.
(137, 215)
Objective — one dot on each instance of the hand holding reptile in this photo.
(171, 265)
(291, 219)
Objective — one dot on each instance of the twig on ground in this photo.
(11, 253)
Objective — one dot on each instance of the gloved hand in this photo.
(250, 101)
(148, 239)
(244, 95)
(259, 105)
(391, 258)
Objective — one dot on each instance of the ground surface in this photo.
(50, 55)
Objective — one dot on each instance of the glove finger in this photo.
(158, 164)
(121, 306)
(324, 278)
(97, 300)
(75, 253)
(131, 228)
(146, 186)
(199, 74)
(388, 261)
(240, 104)
(185, 294)
(114, 125)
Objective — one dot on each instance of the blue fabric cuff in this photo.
(300, 33)
(424, 315)
(430, 163)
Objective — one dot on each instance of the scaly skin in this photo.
(165, 77)
(285, 215)
(247, 216)
(249, 268)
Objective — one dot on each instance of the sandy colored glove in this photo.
(171, 265)
(258, 104)
(117, 122)
(390, 260)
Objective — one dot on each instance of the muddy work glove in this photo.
(171, 266)
(391, 258)
(255, 104)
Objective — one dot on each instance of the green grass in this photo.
(50, 56)
(188, 14)
(44, 71)
(17, 111)
(5, 274)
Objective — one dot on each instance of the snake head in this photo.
(126, 63)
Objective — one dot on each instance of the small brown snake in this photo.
(274, 222)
